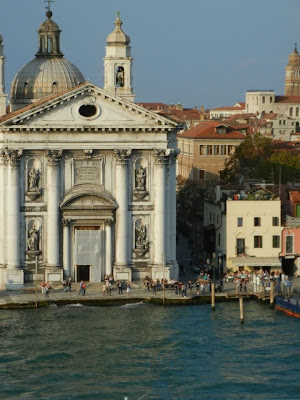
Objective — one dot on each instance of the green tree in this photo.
(247, 156)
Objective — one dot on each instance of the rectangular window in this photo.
(257, 221)
(240, 246)
(223, 150)
(280, 122)
(271, 99)
(209, 150)
(275, 221)
(289, 244)
(201, 174)
(240, 221)
(202, 150)
(221, 173)
(276, 242)
(283, 122)
(263, 99)
(216, 150)
(258, 242)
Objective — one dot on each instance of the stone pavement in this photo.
(27, 296)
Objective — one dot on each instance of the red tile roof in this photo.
(207, 130)
(287, 99)
(228, 108)
(154, 106)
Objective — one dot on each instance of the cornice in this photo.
(88, 88)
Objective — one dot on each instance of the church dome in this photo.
(118, 36)
(42, 77)
(48, 73)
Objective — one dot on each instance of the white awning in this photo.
(256, 261)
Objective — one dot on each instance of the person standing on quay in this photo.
(47, 289)
(120, 289)
(128, 287)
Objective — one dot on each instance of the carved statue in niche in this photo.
(140, 176)
(120, 77)
(33, 179)
(141, 237)
(33, 240)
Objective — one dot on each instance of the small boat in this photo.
(290, 306)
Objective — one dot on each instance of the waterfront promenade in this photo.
(27, 297)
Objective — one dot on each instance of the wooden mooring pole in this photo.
(272, 289)
(241, 309)
(213, 299)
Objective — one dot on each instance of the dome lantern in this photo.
(49, 38)
(48, 73)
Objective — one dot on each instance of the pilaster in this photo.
(66, 248)
(108, 246)
(53, 226)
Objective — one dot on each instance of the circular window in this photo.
(88, 110)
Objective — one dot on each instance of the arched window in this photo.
(297, 111)
(291, 111)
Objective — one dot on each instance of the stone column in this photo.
(13, 209)
(160, 219)
(2, 208)
(122, 231)
(108, 246)
(66, 248)
(53, 225)
(171, 209)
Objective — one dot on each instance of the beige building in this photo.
(244, 229)
(205, 148)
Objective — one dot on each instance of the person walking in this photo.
(120, 289)
(183, 290)
(82, 288)
(69, 283)
(47, 289)
(154, 287)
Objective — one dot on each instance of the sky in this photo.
(193, 52)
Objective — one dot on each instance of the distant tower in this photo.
(292, 74)
(118, 63)
(2, 80)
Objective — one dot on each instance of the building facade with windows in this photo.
(87, 177)
(205, 148)
(244, 229)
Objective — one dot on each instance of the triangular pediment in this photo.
(86, 106)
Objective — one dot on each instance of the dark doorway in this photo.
(83, 273)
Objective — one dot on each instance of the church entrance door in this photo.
(89, 253)
(83, 273)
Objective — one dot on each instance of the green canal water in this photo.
(78, 352)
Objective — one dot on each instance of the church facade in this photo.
(87, 177)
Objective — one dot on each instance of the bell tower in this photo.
(292, 74)
(118, 63)
(2, 80)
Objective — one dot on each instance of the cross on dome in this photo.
(49, 4)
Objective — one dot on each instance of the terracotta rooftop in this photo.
(207, 130)
(228, 108)
(154, 106)
(287, 99)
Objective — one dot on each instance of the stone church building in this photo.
(87, 177)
